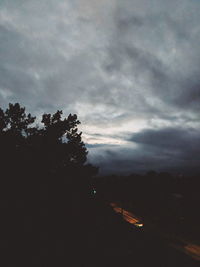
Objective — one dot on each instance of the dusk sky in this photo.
(130, 70)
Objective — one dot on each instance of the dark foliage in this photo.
(44, 185)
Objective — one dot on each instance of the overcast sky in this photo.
(130, 69)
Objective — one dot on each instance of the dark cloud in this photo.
(178, 147)
(175, 150)
(170, 138)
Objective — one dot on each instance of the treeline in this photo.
(171, 201)
(44, 184)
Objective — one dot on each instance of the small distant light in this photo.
(139, 224)
(94, 191)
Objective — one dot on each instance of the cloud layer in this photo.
(128, 68)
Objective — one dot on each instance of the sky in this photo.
(129, 69)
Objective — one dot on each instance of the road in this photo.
(189, 248)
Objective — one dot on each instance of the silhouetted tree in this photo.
(43, 171)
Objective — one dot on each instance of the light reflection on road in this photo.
(187, 247)
(193, 250)
(127, 215)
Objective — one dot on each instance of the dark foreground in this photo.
(114, 242)
(94, 237)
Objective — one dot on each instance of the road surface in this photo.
(189, 248)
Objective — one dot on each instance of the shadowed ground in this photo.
(110, 241)
(89, 235)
